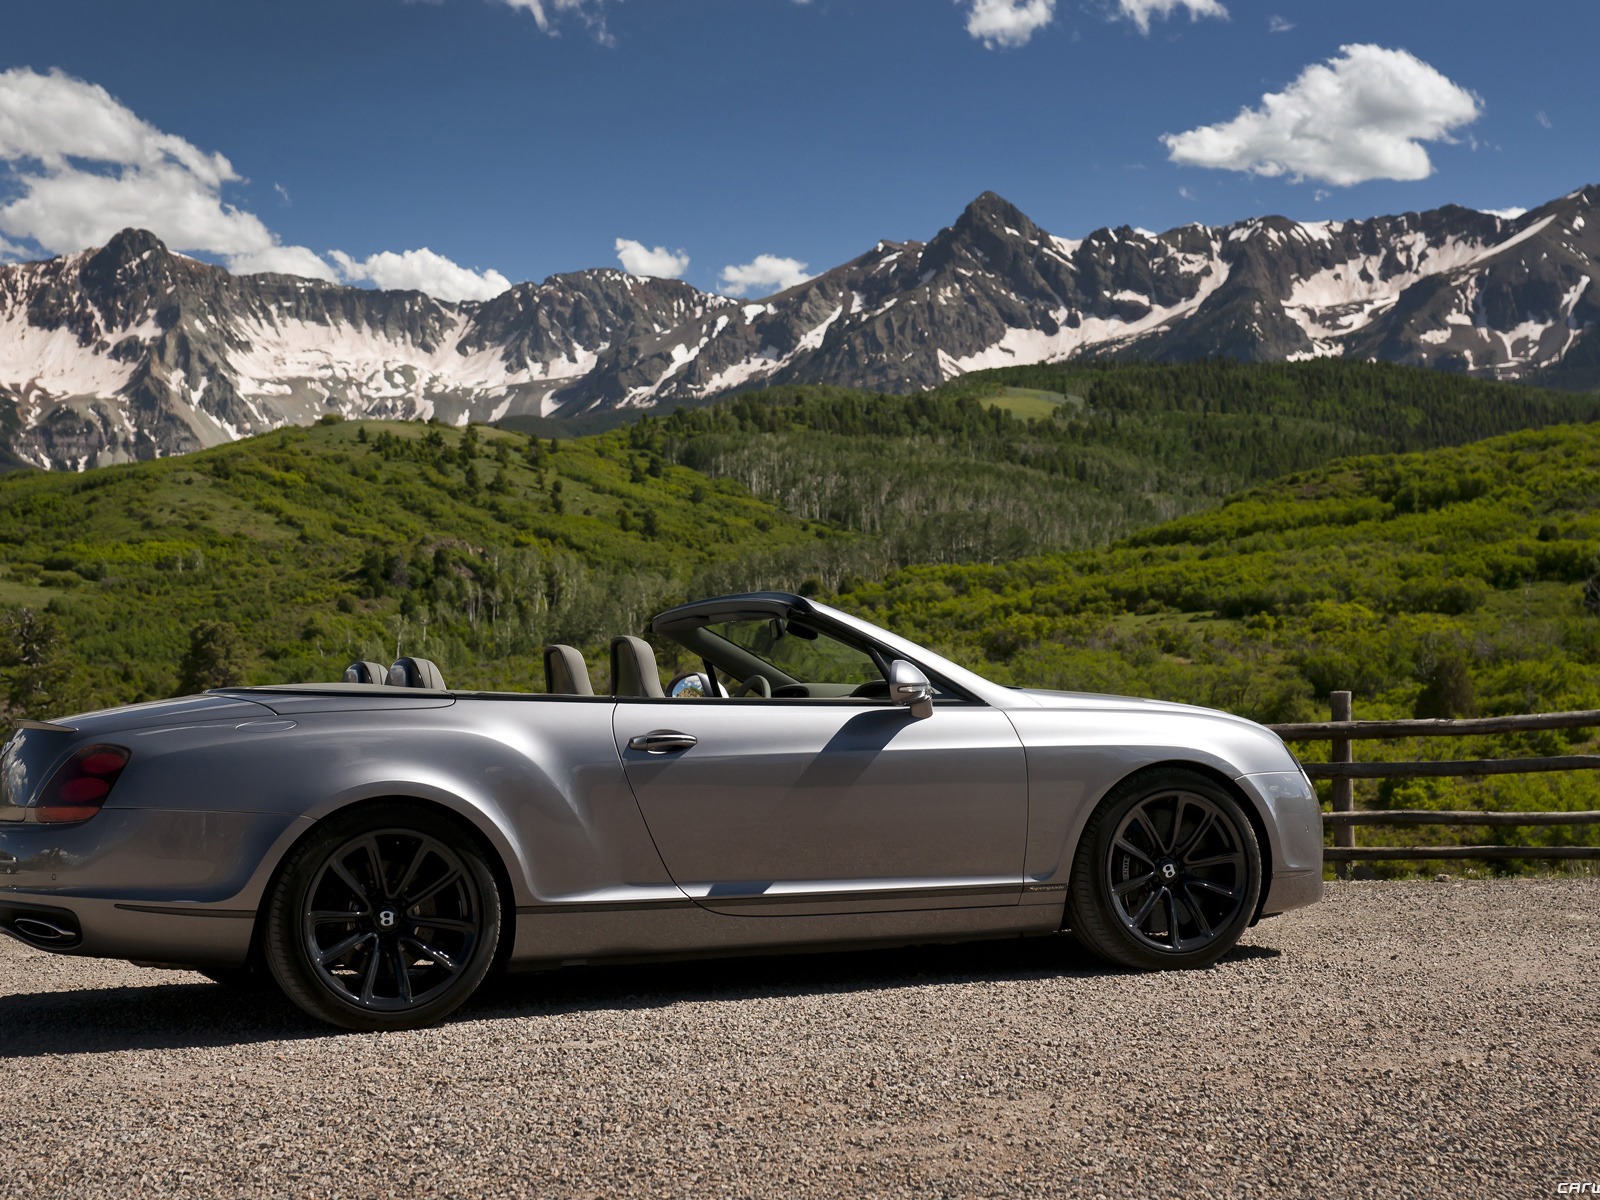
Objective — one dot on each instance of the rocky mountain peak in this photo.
(991, 211)
(990, 234)
(129, 245)
(113, 265)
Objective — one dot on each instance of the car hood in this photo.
(1097, 702)
(1237, 744)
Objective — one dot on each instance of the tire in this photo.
(1167, 873)
(383, 918)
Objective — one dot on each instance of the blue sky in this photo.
(526, 137)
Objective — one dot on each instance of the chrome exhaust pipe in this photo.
(38, 930)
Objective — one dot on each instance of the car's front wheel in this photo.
(383, 919)
(1167, 873)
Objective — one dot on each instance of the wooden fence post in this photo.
(1343, 786)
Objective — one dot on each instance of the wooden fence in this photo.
(1342, 730)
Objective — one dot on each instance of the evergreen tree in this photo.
(36, 674)
(216, 658)
(1591, 589)
(1447, 689)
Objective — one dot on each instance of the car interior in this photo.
(741, 655)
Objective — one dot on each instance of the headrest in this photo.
(416, 673)
(565, 673)
(366, 672)
(633, 668)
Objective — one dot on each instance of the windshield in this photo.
(800, 652)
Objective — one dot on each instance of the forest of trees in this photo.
(949, 476)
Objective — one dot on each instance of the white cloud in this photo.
(54, 117)
(764, 274)
(1140, 11)
(282, 260)
(1007, 22)
(422, 271)
(283, 193)
(547, 12)
(1543, 118)
(1277, 24)
(639, 259)
(1186, 193)
(1361, 116)
(1505, 214)
(83, 166)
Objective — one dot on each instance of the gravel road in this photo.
(1398, 1039)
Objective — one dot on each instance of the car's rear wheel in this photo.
(1167, 873)
(383, 919)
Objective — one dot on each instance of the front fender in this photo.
(1076, 756)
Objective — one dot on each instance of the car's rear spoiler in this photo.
(46, 726)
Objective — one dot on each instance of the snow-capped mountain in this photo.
(131, 351)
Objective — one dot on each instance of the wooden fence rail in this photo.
(1341, 768)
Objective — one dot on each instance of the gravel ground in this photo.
(1432, 1037)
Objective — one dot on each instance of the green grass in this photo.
(1030, 404)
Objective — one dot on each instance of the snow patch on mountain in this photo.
(56, 362)
(1037, 345)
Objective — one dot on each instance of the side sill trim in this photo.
(184, 910)
(598, 906)
(714, 901)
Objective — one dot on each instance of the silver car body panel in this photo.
(799, 806)
(815, 822)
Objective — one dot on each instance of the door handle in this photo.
(662, 741)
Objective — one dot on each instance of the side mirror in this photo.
(910, 687)
(693, 684)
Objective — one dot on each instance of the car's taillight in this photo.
(78, 789)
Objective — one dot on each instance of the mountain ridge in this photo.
(130, 351)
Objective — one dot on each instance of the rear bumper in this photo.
(180, 936)
(157, 885)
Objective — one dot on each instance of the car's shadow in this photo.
(180, 1010)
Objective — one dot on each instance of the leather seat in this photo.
(565, 672)
(633, 669)
(366, 672)
(416, 673)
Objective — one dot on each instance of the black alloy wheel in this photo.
(1167, 873)
(387, 919)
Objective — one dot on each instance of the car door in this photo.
(790, 807)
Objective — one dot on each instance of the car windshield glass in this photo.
(800, 652)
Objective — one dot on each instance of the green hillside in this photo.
(318, 546)
(346, 541)
(1443, 583)
(1026, 459)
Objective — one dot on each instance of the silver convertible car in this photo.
(377, 846)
